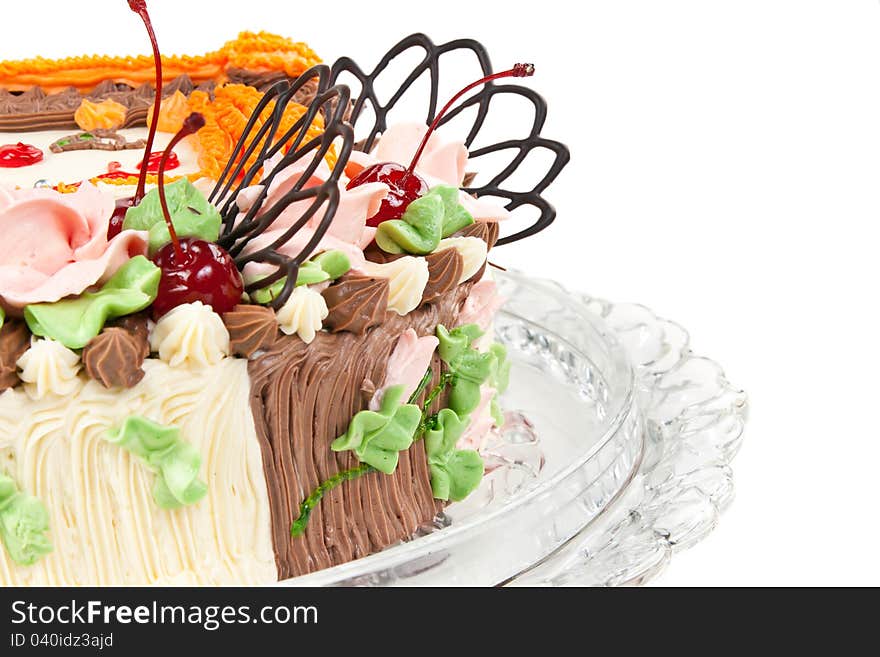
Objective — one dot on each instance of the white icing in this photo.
(190, 335)
(473, 251)
(49, 368)
(73, 166)
(407, 278)
(105, 527)
(303, 313)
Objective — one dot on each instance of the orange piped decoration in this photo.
(254, 51)
(226, 117)
(172, 112)
(107, 115)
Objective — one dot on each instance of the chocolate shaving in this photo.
(469, 178)
(485, 230)
(251, 329)
(114, 358)
(444, 271)
(15, 339)
(356, 303)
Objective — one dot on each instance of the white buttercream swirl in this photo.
(407, 278)
(473, 251)
(190, 335)
(105, 527)
(303, 314)
(49, 368)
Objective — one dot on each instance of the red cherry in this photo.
(118, 216)
(405, 186)
(205, 273)
(403, 189)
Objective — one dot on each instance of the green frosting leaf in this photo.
(470, 369)
(327, 266)
(23, 523)
(2, 317)
(497, 413)
(455, 217)
(425, 222)
(192, 214)
(377, 437)
(500, 378)
(175, 461)
(455, 473)
(457, 341)
(74, 322)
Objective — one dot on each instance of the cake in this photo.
(236, 346)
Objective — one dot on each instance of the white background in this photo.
(725, 168)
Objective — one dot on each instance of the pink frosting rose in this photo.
(55, 245)
(407, 364)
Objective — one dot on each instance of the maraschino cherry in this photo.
(192, 269)
(122, 205)
(404, 184)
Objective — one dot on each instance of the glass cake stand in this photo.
(615, 453)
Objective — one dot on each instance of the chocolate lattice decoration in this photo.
(260, 141)
(482, 99)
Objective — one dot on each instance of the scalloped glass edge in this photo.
(695, 423)
(655, 479)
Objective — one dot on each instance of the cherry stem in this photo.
(518, 71)
(140, 8)
(192, 124)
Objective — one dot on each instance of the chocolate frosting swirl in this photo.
(444, 271)
(485, 230)
(251, 329)
(139, 326)
(355, 303)
(114, 358)
(374, 254)
(15, 339)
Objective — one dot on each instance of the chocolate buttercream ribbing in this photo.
(15, 338)
(36, 110)
(303, 397)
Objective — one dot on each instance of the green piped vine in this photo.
(455, 473)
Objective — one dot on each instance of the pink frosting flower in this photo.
(55, 245)
(407, 364)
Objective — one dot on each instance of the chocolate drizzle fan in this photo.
(332, 101)
(259, 140)
(482, 100)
